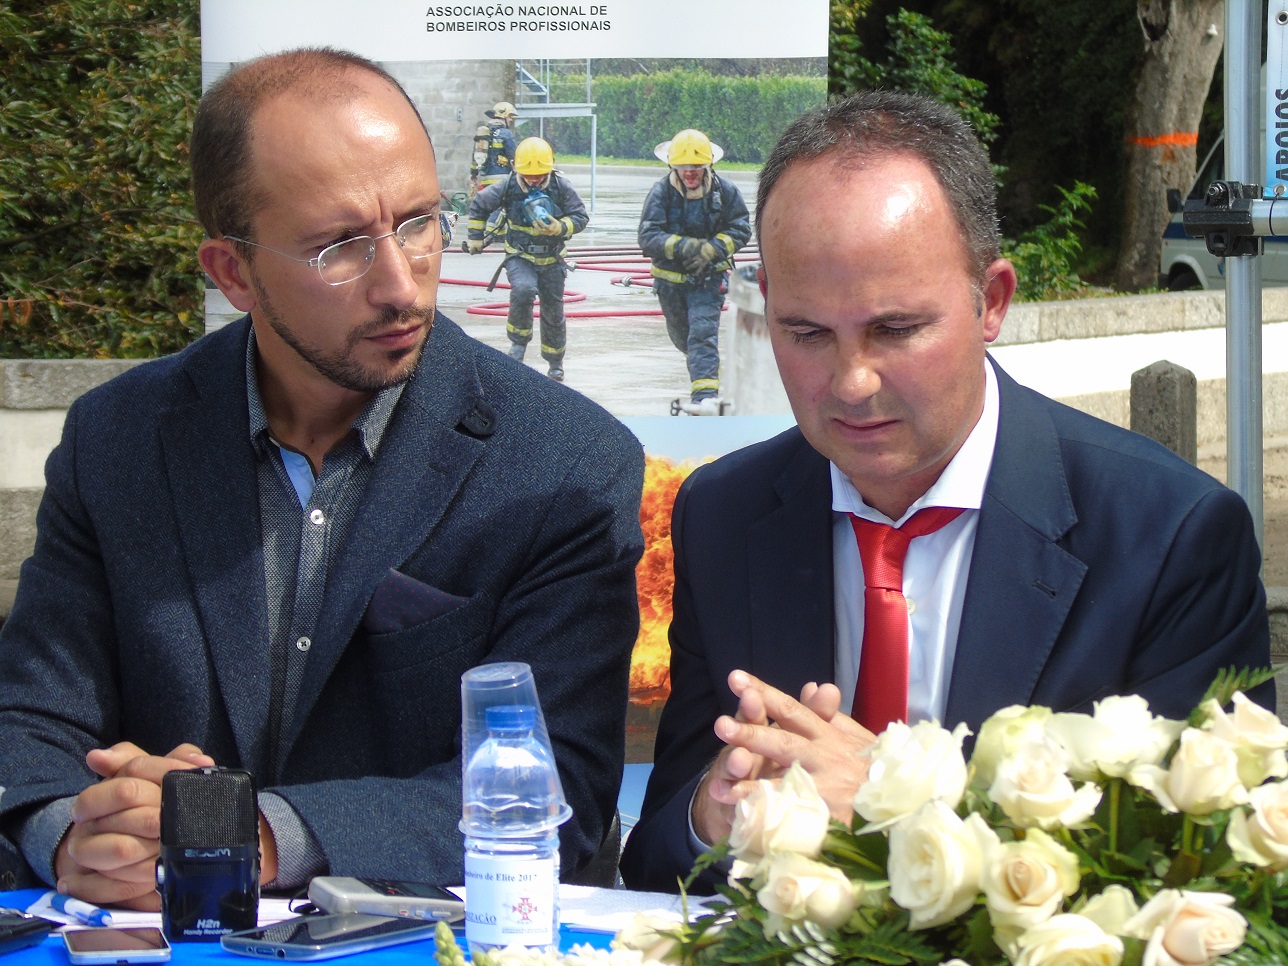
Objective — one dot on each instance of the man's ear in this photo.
(999, 287)
(219, 260)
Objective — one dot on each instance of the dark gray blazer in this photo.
(1103, 564)
(141, 615)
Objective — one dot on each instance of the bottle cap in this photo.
(510, 718)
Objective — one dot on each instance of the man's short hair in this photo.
(874, 125)
(223, 185)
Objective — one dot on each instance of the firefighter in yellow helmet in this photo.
(542, 212)
(494, 146)
(693, 223)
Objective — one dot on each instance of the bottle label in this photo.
(510, 900)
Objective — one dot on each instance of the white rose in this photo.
(1024, 883)
(1118, 736)
(1258, 736)
(799, 888)
(1261, 837)
(912, 766)
(647, 935)
(1069, 940)
(935, 861)
(787, 816)
(1002, 734)
(1203, 777)
(1111, 909)
(1033, 789)
(1187, 928)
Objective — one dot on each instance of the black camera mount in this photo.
(1232, 218)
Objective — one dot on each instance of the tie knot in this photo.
(882, 548)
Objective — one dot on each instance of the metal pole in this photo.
(1244, 445)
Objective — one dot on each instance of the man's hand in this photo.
(473, 245)
(769, 732)
(109, 853)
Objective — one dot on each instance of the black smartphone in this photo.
(385, 897)
(19, 929)
(324, 937)
(107, 946)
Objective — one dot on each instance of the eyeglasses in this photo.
(349, 260)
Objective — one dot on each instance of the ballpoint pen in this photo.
(83, 912)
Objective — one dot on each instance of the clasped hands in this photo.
(109, 854)
(770, 731)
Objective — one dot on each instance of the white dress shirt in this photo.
(934, 573)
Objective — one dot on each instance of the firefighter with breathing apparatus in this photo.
(542, 211)
(494, 146)
(693, 222)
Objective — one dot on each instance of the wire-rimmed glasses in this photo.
(349, 260)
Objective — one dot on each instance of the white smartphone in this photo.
(110, 945)
(327, 936)
(385, 897)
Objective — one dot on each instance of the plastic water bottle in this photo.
(513, 806)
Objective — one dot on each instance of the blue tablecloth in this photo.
(52, 953)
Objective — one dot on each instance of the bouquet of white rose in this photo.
(1112, 838)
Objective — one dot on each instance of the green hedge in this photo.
(744, 115)
(97, 236)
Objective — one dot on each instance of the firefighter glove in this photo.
(474, 245)
(549, 226)
(696, 255)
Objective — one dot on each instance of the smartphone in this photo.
(383, 897)
(110, 945)
(326, 936)
(19, 929)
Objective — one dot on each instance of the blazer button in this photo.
(317, 517)
(303, 644)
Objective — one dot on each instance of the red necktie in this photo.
(881, 694)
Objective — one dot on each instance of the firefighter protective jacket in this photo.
(521, 238)
(499, 161)
(719, 216)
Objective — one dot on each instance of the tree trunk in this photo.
(1183, 41)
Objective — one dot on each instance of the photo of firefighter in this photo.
(693, 223)
(494, 144)
(541, 212)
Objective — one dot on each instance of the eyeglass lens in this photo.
(418, 237)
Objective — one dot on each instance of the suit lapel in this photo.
(210, 472)
(422, 462)
(1021, 583)
(790, 578)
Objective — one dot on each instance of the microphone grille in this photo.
(205, 808)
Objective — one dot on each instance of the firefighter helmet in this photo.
(502, 111)
(533, 158)
(689, 147)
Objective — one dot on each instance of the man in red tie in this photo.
(933, 541)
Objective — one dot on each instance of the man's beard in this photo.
(341, 367)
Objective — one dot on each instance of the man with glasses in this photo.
(279, 549)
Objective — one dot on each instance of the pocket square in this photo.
(401, 601)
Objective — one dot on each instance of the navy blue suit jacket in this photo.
(1103, 564)
(141, 615)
